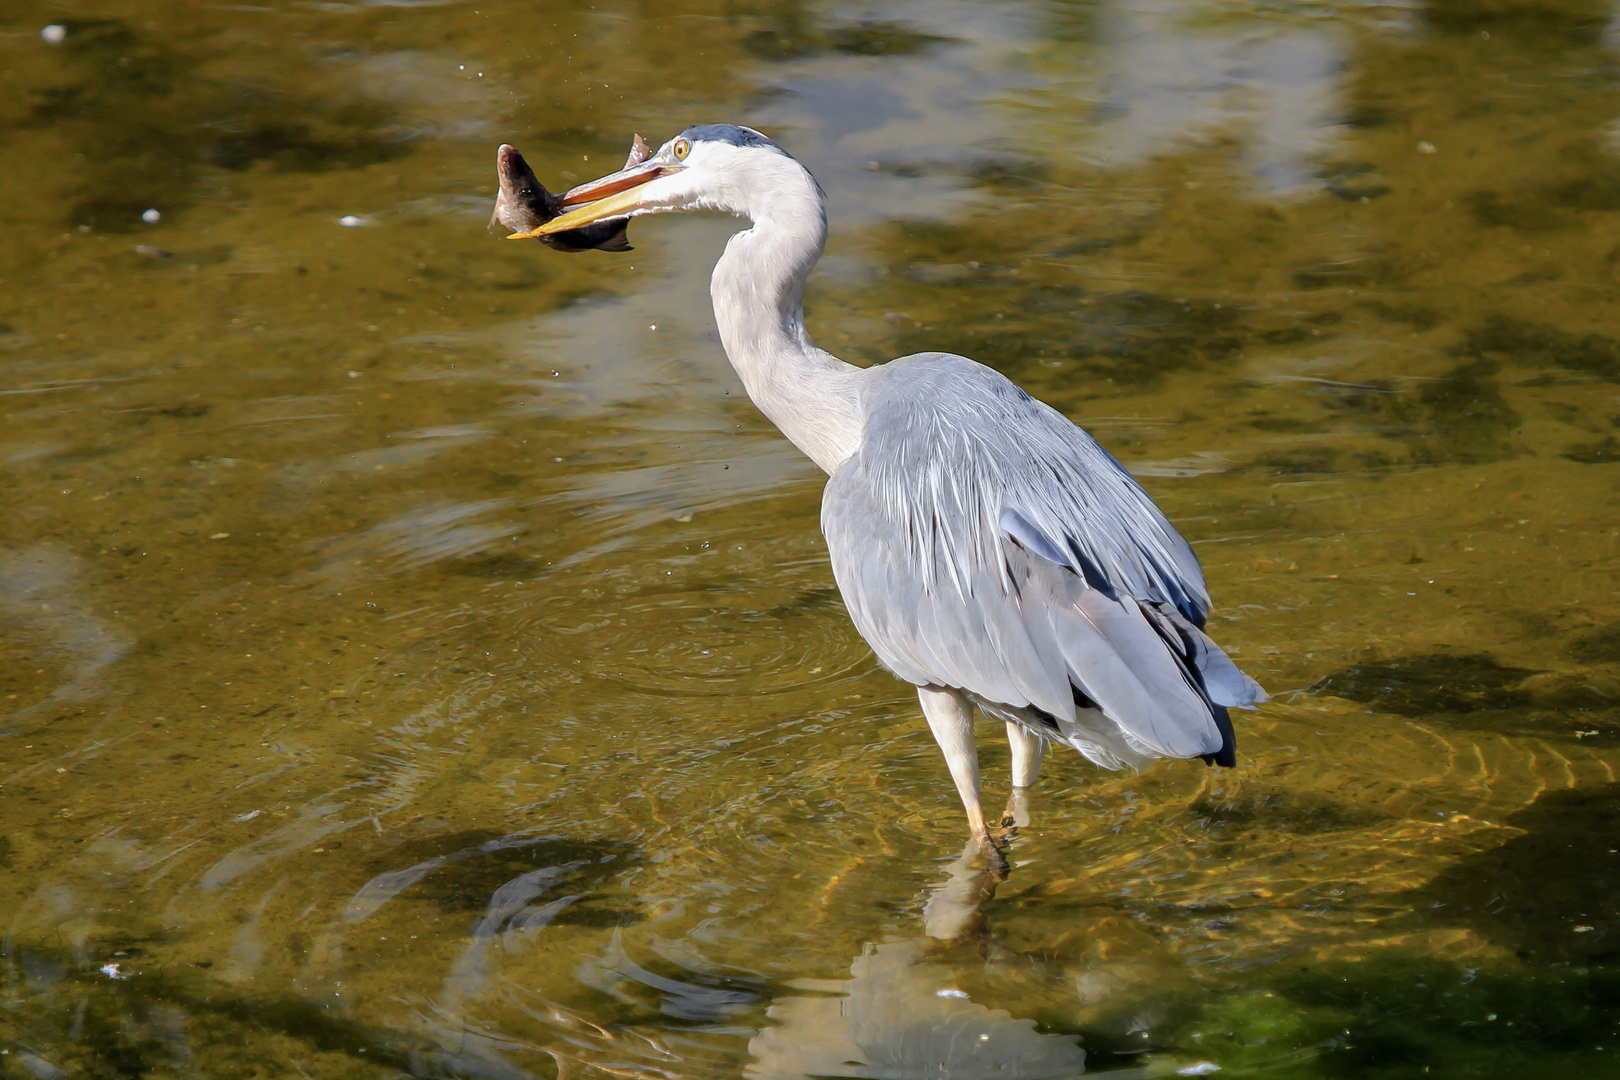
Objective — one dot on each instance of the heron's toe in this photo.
(995, 863)
(1017, 812)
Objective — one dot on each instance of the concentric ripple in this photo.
(701, 642)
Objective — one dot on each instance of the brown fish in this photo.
(523, 203)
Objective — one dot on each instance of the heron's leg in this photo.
(950, 717)
(1027, 751)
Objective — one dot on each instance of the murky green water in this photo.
(417, 656)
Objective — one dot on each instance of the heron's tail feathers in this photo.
(1223, 683)
(1121, 680)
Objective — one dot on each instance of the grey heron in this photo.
(989, 551)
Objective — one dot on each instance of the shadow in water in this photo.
(1551, 894)
(72, 1021)
(106, 1007)
(1428, 684)
(1477, 692)
(462, 871)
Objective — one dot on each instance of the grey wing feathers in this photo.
(982, 541)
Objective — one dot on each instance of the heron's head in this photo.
(709, 167)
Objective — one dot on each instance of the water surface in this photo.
(418, 657)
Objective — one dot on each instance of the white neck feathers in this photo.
(758, 293)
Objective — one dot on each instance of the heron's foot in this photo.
(995, 863)
(997, 844)
(1017, 812)
(1004, 833)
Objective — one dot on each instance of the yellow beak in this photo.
(611, 196)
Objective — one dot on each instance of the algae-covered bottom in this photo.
(418, 657)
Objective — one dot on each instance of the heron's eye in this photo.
(682, 148)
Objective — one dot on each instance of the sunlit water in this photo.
(417, 656)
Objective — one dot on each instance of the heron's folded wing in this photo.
(1019, 630)
(981, 541)
(932, 620)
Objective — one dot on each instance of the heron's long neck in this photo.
(758, 292)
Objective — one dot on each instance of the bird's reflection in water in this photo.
(953, 907)
(900, 1015)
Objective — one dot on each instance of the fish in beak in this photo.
(602, 203)
(524, 205)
